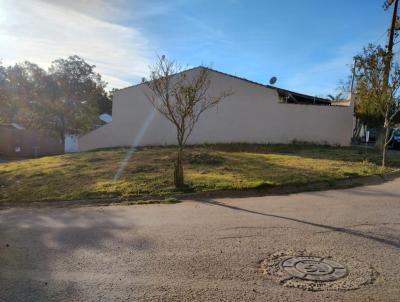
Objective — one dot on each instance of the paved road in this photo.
(205, 250)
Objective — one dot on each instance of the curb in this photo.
(263, 191)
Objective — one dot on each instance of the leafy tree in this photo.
(377, 103)
(65, 99)
(4, 104)
(19, 84)
(104, 102)
(181, 99)
(69, 104)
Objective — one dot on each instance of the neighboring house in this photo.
(16, 141)
(254, 113)
(72, 140)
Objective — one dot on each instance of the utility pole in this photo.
(386, 75)
(353, 74)
(390, 43)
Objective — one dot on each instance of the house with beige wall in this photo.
(253, 113)
(17, 141)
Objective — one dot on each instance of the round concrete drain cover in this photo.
(314, 268)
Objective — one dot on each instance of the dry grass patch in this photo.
(213, 167)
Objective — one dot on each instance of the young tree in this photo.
(335, 98)
(181, 98)
(377, 101)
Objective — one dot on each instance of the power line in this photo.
(396, 52)
(381, 36)
(395, 43)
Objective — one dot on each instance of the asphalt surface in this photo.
(203, 250)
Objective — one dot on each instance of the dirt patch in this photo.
(359, 273)
(205, 159)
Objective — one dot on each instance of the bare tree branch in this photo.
(181, 97)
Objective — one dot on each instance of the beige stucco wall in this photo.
(253, 114)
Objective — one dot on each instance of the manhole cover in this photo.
(312, 273)
(314, 268)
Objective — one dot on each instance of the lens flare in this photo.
(136, 141)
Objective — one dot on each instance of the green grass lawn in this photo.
(214, 167)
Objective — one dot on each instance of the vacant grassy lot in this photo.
(149, 170)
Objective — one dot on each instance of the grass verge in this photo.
(91, 175)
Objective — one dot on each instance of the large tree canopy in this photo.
(19, 85)
(377, 88)
(69, 104)
(372, 98)
(65, 99)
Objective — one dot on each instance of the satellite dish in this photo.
(273, 80)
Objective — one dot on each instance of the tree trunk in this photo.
(385, 144)
(380, 140)
(356, 131)
(178, 171)
(384, 157)
(62, 138)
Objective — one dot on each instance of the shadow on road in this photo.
(36, 245)
(346, 230)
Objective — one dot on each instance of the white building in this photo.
(254, 113)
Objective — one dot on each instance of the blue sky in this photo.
(307, 44)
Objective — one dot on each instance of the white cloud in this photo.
(41, 32)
